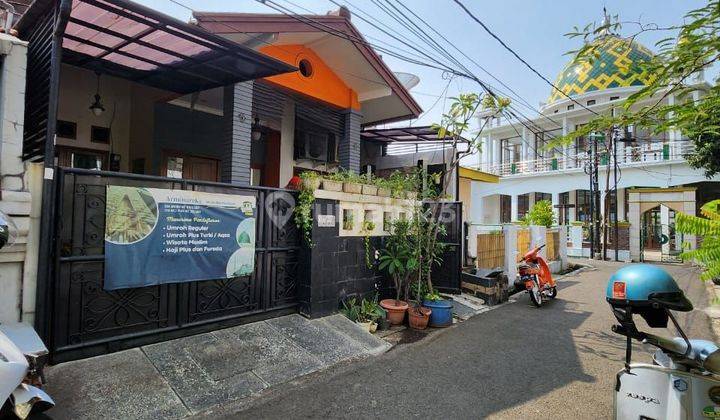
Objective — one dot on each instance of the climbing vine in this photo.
(303, 210)
(368, 226)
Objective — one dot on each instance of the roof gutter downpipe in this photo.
(46, 266)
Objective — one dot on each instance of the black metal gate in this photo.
(446, 277)
(87, 320)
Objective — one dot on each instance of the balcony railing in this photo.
(630, 155)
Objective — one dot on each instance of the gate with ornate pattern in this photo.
(87, 320)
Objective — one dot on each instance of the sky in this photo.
(534, 29)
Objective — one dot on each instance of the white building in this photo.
(654, 178)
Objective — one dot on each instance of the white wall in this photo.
(77, 92)
(287, 142)
(17, 274)
(129, 112)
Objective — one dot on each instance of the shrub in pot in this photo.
(398, 260)
(364, 313)
(331, 185)
(368, 189)
(441, 309)
(310, 180)
(352, 187)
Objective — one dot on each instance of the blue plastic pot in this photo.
(441, 315)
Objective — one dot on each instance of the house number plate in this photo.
(326, 220)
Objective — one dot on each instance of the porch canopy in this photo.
(129, 41)
(406, 134)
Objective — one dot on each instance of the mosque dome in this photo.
(616, 65)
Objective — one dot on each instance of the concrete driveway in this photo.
(512, 362)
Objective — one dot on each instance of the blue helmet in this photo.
(645, 285)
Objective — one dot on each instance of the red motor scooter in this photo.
(534, 275)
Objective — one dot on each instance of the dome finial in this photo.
(606, 24)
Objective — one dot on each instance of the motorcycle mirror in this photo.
(8, 230)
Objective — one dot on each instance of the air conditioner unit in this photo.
(315, 146)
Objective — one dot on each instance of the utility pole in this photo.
(595, 245)
(615, 190)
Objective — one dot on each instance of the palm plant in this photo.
(708, 253)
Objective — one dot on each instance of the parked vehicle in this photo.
(683, 382)
(22, 357)
(535, 277)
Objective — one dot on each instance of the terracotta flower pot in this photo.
(418, 317)
(395, 310)
(369, 189)
(352, 187)
(330, 185)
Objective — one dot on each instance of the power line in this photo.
(483, 69)
(480, 22)
(330, 30)
(334, 32)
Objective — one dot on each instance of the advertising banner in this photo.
(155, 236)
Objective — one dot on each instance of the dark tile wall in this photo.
(335, 268)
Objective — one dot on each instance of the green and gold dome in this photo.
(616, 64)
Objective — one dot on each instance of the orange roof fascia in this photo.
(323, 84)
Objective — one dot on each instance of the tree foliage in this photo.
(688, 49)
(708, 227)
(541, 214)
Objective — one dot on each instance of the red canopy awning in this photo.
(127, 40)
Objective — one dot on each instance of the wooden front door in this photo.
(177, 165)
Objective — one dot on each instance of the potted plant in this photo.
(441, 315)
(365, 313)
(368, 186)
(332, 182)
(310, 180)
(372, 312)
(397, 183)
(351, 182)
(418, 314)
(383, 187)
(398, 260)
(369, 189)
(418, 317)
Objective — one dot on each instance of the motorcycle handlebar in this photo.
(661, 342)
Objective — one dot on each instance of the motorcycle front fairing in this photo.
(13, 367)
(657, 392)
(27, 398)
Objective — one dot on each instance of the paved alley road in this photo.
(513, 362)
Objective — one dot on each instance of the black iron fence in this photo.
(84, 319)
